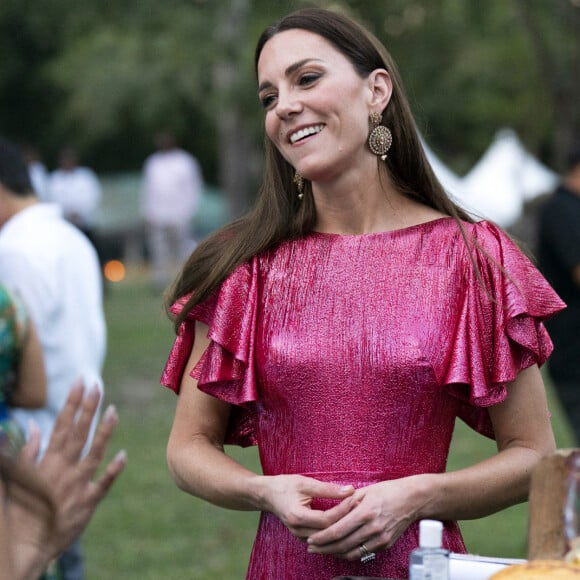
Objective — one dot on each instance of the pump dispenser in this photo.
(429, 561)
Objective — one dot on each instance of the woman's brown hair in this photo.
(278, 214)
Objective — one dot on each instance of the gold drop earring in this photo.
(380, 137)
(299, 183)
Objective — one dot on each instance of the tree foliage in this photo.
(105, 75)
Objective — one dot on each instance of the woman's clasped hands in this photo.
(375, 515)
(290, 498)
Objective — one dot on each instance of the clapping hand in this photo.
(40, 534)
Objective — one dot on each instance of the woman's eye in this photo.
(308, 78)
(267, 100)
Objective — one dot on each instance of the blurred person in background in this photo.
(559, 257)
(345, 324)
(55, 269)
(37, 171)
(77, 190)
(171, 194)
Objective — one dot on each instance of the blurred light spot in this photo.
(114, 271)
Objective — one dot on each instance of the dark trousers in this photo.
(72, 563)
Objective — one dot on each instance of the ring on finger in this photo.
(365, 555)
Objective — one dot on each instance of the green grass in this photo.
(149, 530)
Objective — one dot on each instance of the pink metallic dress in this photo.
(348, 359)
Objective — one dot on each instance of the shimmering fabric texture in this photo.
(348, 359)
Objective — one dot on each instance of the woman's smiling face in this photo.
(317, 106)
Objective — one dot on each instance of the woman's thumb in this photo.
(332, 490)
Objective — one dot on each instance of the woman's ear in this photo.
(381, 87)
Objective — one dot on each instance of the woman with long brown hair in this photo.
(346, 322)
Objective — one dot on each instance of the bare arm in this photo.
(199, 465)
(30, 392)
(523, 435)
(195, 452)
(382, 512)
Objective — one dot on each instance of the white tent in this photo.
(503, 179)
(450, 181)
(475, 204)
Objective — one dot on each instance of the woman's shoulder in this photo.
(490, 240)
(486, 231)
(499, 263)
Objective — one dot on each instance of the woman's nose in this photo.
(287, 104)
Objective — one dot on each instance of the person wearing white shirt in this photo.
(171, 193)
(76, 189)
(36, 171)
(39, 178)
(56, 271)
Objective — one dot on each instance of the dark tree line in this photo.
(106, 75)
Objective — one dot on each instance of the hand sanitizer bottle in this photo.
(429, 561)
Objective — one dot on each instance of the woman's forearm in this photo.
(478, 490)
(523, 434)
(204, 470)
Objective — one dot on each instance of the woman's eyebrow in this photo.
(291, 69)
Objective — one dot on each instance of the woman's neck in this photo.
(360, 208)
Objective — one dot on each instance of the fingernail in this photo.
(95, 392)
(77, 386)
(110, 414)
(121, 457)
(346, 488)
(309, 541)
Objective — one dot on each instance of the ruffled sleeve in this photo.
(226, 369)
(499, 330)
